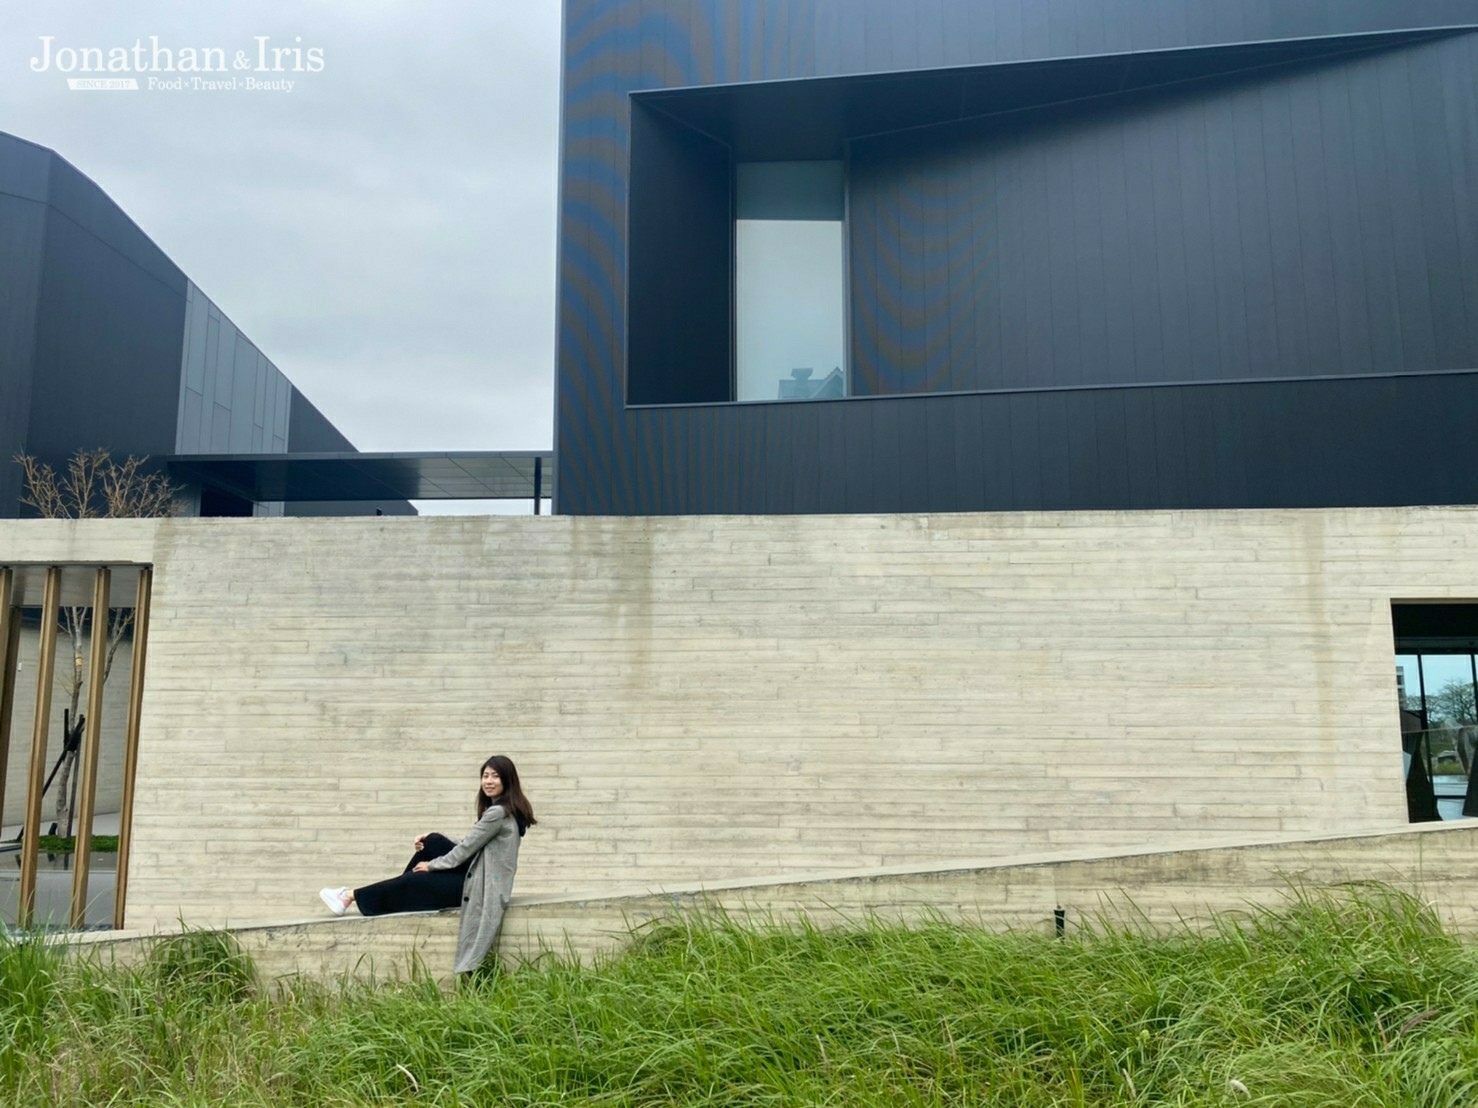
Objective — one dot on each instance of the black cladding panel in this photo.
(678, 277)
(1217, 215)
(24, 169)
(1362, 441)
(76, 198)
(23, 173)
(310, 432)
(110, 330)
(1220, 230)
(92, 317)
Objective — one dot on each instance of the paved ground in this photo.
(54, 882)
(54, 894)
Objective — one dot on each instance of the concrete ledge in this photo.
(1155, 888)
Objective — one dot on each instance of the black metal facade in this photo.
(310, 432)
(23, 173)
(109, 330)
(92, 321)
(1102, 253)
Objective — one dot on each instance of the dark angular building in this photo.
(945, 255)
(105, 342)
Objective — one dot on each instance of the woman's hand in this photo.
(420, 842)
(422, 867)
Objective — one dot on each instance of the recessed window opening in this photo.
(72, 651)
(789, 281)
(1437, 689)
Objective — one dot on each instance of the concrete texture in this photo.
(1161, 889)
(719, 698)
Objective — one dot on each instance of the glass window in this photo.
(790, 288)
(1439, 729)
(1448, 683)
(1409, 685)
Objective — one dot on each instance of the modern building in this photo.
(959, 255)
(105, 342)
(876, 319)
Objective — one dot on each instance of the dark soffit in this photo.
(77, 584)
(444, 475)
(815, 117)
(1435, 626)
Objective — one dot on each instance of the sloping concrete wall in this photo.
(1167, 889)
(726, 697)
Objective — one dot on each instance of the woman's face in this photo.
(492, 784)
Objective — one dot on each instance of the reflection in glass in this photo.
(1439, 727)
(790, 299)
(1448, 684)
(1409, 687)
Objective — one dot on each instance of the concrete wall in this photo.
(695, 699)
(1166, 890)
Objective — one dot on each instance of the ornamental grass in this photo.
(1347, 998)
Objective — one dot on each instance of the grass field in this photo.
(1359, 999)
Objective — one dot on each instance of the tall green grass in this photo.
(1340, 1000)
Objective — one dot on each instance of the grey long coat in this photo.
(492, 844)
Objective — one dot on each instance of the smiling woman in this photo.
(479, 869)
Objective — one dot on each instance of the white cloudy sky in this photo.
(384, 232)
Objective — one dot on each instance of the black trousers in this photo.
(415, 892)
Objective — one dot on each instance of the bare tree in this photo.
(1453, 704)
(96, 487)
(93, 487)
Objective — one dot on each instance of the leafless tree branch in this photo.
(94, 486)
(41, 490)
(120, 621)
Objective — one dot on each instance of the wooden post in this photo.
(91, 742)
(131, 740)
(45, 671)
(10, 639)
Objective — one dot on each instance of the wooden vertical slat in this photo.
(10, 632)
(131, 741)
(91, 741)
(45, 670)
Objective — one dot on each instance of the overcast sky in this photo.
(384, 232)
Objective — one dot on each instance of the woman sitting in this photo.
(476, 873)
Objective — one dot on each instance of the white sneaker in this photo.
(337, 900)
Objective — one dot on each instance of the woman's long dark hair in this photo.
(512, 799)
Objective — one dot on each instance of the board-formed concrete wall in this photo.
(707, 698)
(1167, 890)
